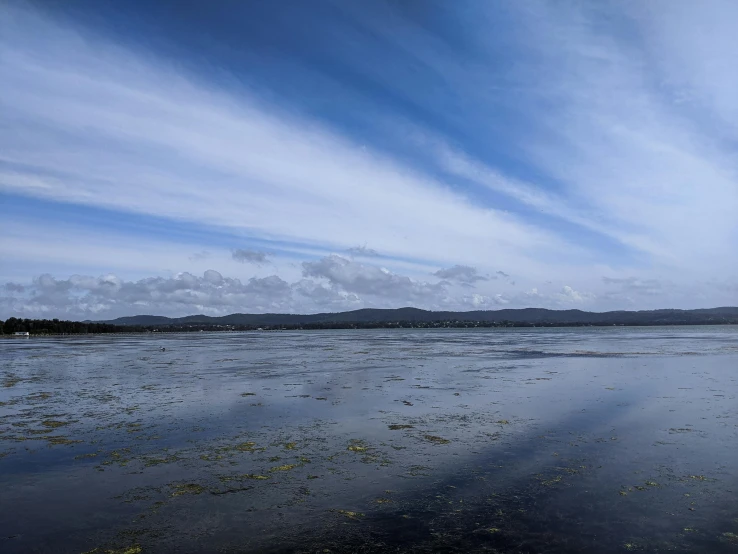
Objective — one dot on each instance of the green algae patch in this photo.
(398, 427)
(222, 452)
(701, 478)
(227, 478)
(503, 422)
(290, 445)
(551, 482)
(436, 440)
(356, 445)
(418, 470)
(149, 462)
(39, 431)
(117, 457)
(11, 381)
(211, 457)
(53, 424)
(38, 396)
(135, 549)
(349, 514)
(60, 440)
(284, 467)
(188, 488)
(83, 456)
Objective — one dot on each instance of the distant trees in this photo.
(60, 327)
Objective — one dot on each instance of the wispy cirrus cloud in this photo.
(590, 154)
(159, 143)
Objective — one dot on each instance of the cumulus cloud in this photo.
(332, 283)
(13, 287)
(568, 294)
(464, 274)
(185, 293)
(351, 276)
(249, 256)
(319, 297)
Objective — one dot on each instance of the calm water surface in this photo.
(576, 440)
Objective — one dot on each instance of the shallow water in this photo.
(497, 440)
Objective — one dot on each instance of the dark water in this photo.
(595, 440)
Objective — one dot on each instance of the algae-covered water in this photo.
(571, 440)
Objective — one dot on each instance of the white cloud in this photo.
(329, 284)
(373, 281)
(332, 283)
(82, 296)
(569, 294)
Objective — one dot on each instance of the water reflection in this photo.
(526, 441)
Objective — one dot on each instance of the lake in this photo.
(490, 440)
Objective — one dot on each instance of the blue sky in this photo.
(219, 157)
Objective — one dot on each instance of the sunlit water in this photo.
(571, 440)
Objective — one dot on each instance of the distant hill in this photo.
(532, 316)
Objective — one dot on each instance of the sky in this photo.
(176, 158)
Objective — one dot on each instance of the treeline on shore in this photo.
(62, 327)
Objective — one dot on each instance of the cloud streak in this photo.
(240, 163)
(579, 153)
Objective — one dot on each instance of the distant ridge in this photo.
(530, 316)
